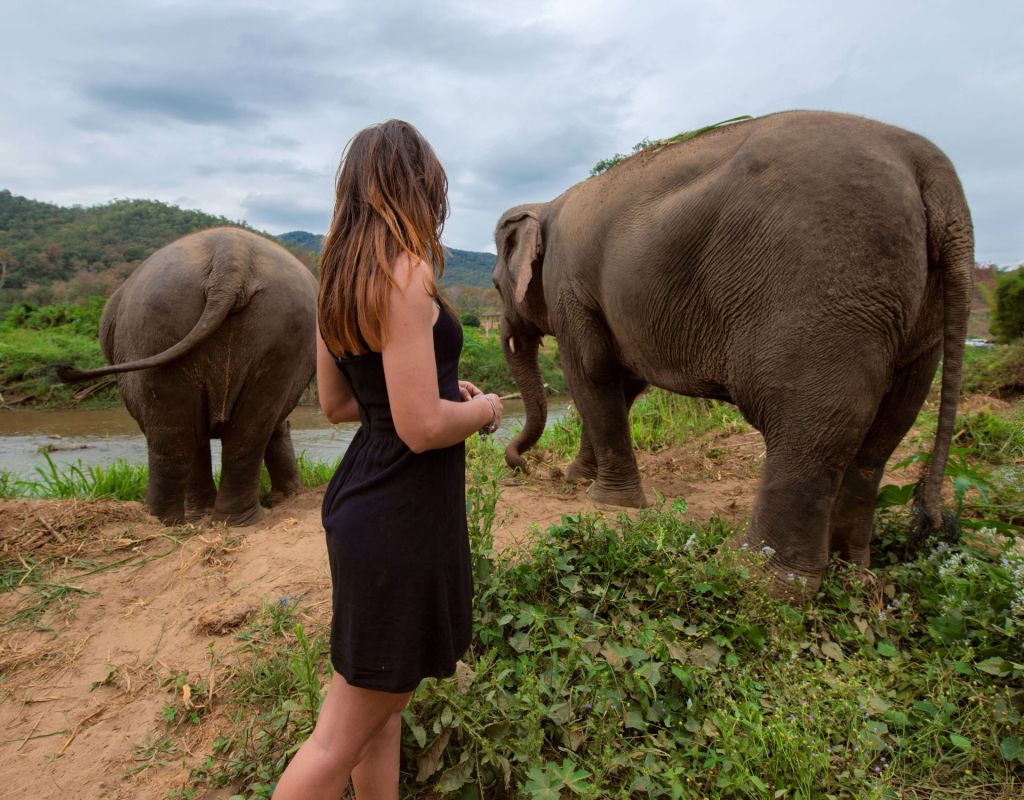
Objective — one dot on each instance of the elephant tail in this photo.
(228, 286)
(951, 251)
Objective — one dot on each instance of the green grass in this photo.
(25, 357)
(997, 370)
(657, 420)
(116, 481)
(985, 465)
(483, 363)
(643, 658)
(988, 437)
(121, 480)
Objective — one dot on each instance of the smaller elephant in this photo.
(212, 336)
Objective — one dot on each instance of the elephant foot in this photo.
(242, 519)
(790, 587)
(630, 497)
(195, 514)
(290, 488)
(859, 557)
(579, 473)
(280, 495)
(170, 517)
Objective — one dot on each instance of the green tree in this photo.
(1008, 318)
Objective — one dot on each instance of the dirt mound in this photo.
(61, 527)
(979, 403)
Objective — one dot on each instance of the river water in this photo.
(101, 436)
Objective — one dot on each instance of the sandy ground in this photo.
(82, 690)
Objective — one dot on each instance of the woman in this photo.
(394, 512)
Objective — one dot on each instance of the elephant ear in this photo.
(528, 250)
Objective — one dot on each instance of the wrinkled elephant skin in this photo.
(213, 336)
(811, 268)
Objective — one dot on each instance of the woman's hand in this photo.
(468, 390)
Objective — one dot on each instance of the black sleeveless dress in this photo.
(397, 540)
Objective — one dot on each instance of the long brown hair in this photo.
(391, 197)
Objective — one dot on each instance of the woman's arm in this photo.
(422, 419)
(336, 399)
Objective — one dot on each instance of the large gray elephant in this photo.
(213, 336)
(812, 268)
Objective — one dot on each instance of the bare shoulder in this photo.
(411, 300)
(407, 268)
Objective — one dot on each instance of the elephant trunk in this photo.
(521, 357)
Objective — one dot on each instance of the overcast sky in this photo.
(243, 108)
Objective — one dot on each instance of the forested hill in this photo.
(465, 267)
(50, 253)
(57, 254)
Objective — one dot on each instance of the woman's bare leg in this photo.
(349, 721)
(376, 776)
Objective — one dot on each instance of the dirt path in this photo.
(83, 689)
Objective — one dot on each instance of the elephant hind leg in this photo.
(201, 493)
(790, 519)
(244, 441)
(280, 459)
(812, 438)
(853, 512)
(170, 460)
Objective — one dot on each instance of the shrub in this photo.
(1008, 319)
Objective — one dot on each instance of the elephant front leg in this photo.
(280, 459)
(584, 467)
(606, 421)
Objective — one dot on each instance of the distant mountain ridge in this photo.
(465, 267)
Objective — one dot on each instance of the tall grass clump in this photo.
(8, 485)
(116, 481)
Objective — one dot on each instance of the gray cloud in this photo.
(172, 101)
(283, 213)
(260, 167)
(245, 111)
